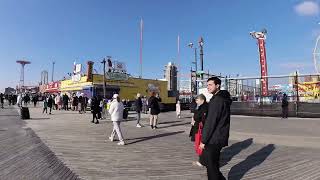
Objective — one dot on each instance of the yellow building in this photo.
(127, 89)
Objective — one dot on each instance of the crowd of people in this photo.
(210, 118)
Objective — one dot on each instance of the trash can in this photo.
(125, 113)
(24, 113)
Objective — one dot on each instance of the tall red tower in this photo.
(22, 63)
(261, 37)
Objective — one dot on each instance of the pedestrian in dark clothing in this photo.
(50, 103)
(215, 134)
(1, 100)
(26, 99)
(193, 105)
(10, 99)
(95, 109)
(138, 105)
(35, 100)
(154, 107)
(65, 100)
(284, 106)
(200, 115)
(45, 105)
(74, 103)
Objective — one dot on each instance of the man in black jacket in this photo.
(215, 134)
(138, 104)
(154, 107)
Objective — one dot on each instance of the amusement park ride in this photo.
(261, 37)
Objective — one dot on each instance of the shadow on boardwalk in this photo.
(239, 170)
(140, 139)
(229, 152)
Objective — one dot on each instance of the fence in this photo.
(303, 93)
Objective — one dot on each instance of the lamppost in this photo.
(195, 62)
(201, 42)
(104, 77)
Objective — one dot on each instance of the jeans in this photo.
(138, 117)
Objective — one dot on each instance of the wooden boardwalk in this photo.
(162, 154)
(23, 155)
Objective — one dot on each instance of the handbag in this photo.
(197, 141)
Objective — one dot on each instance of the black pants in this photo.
(95, 116)
(285, 112)
(212, 155)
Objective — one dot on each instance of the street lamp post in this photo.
(104, 77)
(195, 62)
(201, 55)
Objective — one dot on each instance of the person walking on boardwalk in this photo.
(284, 106)
(50, 103)
(178, 109)
(65, 100)
(45, 105)
(138, 104)
(95, 109)
(200, 115)
(215, 134)
(1, 100)
(35, 100)
(116, 112)
(154, 108)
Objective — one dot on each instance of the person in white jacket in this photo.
(116, 112)
(178, 109)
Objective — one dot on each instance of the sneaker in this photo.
(197, 164)
(92, 121)
(155, 127)
(139, 126)
(151, 126)
(97, 122)
(111, 139)
(121, 143)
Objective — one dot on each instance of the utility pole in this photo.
(201, 55)
(104, 77)
(195, 62)
(53, 63)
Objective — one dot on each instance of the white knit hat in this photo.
(115, 96)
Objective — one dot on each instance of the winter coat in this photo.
(95, 106)
(153, 103)
(217, 126)
(75, 101)
(116, 110)
(65, 99)
(285, 102)
(50, 102)
(57, 99)
(138, 104)
(200, 115)
(178, 109)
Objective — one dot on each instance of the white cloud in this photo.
(307, 8)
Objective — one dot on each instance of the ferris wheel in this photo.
(316, 55)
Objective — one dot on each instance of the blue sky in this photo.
(65, 31)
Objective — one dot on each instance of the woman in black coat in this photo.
(200, 115)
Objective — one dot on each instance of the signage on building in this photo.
(89, 70)
(76, 78)
(116, 76)
(78, 68)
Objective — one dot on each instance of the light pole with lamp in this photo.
(195, 62)
(104, 77)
